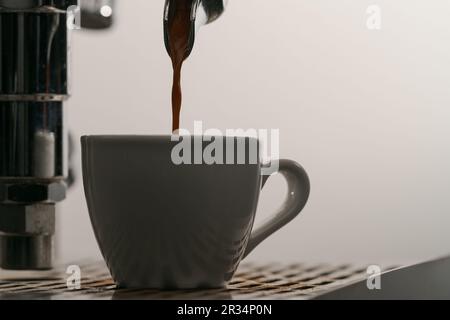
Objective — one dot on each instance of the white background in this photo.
(367, 113)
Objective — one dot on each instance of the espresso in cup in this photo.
(170, 224)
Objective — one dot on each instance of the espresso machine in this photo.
(34, 141)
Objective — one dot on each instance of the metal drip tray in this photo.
(252, 281)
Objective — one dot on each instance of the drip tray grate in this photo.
(252, 281)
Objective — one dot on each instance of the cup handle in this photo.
(298, 194)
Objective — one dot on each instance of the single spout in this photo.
(202, 12)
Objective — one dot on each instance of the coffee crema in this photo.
(179, 33)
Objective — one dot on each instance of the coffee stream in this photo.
(179, 27)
